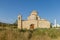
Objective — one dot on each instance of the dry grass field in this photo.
(10, 33)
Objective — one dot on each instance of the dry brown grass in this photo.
(38, 34)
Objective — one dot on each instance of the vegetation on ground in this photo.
(11, 32)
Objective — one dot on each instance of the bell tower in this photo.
(19, 22)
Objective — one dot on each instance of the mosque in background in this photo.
(33, 21)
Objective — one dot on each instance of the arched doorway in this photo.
(32, 26)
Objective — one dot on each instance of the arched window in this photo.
(36, 18)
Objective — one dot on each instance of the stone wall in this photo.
(44, 24)
(26, 24)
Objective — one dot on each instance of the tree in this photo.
(51, 25)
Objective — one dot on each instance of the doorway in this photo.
(32, 26)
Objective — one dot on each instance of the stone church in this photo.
(33, 21)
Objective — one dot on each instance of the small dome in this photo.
(34, 12)
(42, 19)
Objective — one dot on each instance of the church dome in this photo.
(34, 12)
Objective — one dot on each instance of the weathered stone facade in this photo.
(33, 21)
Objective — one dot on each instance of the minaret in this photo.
(19, 22)
(55, 23)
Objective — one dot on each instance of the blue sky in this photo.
(47, 9)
